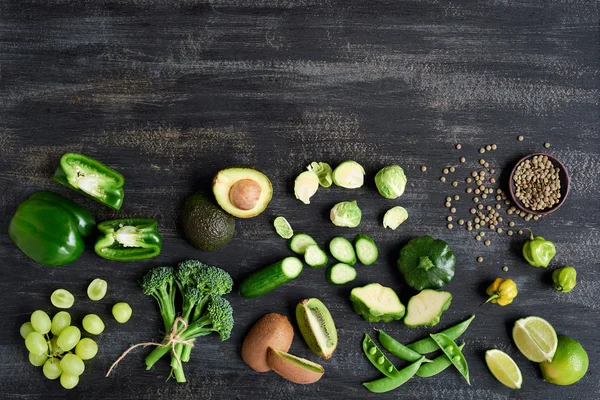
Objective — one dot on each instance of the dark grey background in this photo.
(168, 92)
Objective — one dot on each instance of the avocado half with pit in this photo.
(242, 191)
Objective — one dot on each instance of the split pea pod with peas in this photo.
(378, 359)
(436, 366)
(452, 351)
(428, 345)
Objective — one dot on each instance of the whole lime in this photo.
(569, 365)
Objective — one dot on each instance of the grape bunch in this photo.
(62, 355)
(57, 346)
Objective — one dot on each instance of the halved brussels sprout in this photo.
(349, 175)
(394, 217)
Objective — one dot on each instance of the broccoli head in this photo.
(217, 318)
(159, 283)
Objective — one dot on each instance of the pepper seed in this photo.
(449, 218)
(448, 204)
(455, 184)
(547, 145)
(453, 210)
(469, 190)
(509, 233)
(461, 221)
(456, 197)
(487, 242)
(488, 147)
(482, 150)
(494, 147)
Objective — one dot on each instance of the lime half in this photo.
(504, 368)
(283, 228)
(535, 338)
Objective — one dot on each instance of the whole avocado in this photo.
(206, 226)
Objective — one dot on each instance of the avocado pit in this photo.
(244, 194)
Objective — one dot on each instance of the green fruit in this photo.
(317, 327)
(205, 225)
(243, 192)
(569, 365)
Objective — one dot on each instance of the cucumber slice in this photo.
(341, 273)
(366, 249)
(300, 241)
(342, 250)
(315, 257)
(271, 277)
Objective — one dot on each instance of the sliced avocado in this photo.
(242, 191)
(205, 225)
(377, 303)
(426, 308)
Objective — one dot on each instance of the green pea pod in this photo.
(538, 251)
(386, 384)
(451, 350)
(91, 178)
(565, 279)
(128, 239)
(378, 359)
(428, 345)
(50, 228)
(397, 348)
(437, 365)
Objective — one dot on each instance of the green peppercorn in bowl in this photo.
(539, 183)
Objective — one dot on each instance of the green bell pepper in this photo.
(538, 251)
(91, 178)
(564, 279)
(128, 239)
(49, 228)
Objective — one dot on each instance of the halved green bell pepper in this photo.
(91, 178)
(49, 228)
(128, 239)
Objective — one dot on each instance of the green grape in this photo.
(93, 324)
(97, 289)
(72, 365)
(68, 338)
(121, 312)
(86, 349)
(62, 298)
(60, 321)
(36, 343)
(41, 322)
(26, 329)
(52, 368)
(69, 381)
(38, 360)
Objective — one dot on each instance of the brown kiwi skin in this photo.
(291, 371)
(271, 330)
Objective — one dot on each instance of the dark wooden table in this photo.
(170, 91)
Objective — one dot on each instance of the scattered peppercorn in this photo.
(423, 168)
(479, 259)
(482, 150)
(462, 159)
(520, 138)
(458, 146)
(450, 226)
(487, 242)
(494, 147)
(456, 197)
(442, 179)
(453, 210)
(461, 221)
(445, 171)
(505, 268)
(455, 183)
(547, 145)
(509, 233)
(452, 169)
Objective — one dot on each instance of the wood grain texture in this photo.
(170, 91)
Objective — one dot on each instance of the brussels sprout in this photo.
(323, 171)
(349, 175)
(391, 181)
(346, 214)
(394, 217)
(306, 186)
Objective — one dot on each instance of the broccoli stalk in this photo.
(218, 318)
(202, 308)
(160, 283)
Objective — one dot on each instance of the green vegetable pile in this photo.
(415, 354)
(203, 310)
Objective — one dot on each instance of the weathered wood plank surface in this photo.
(168, 92)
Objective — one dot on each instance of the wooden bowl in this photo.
(563, 176)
